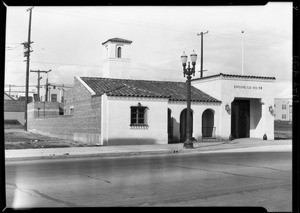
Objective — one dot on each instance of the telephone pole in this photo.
(27, 55)
(46, 88)
(201, 58)
(39, 78)
(242, 51)
(9, 86)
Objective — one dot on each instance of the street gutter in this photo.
(142, 153)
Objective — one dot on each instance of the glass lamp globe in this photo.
(184, 58)
(193, 57)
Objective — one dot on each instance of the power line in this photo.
(237, 36)
(13, 57)
(12, 48)
(44, 65)
(86, 65)
(13, 85)
(55, 53)
(67, 85)
(19, 91)
(60, 85)
(128, 21)
(164, 26)
(13, 43)
(41, 62)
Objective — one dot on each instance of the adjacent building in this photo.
(283, 109)
(18, 92)
(54, 93)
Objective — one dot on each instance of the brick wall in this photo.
(14, 106)
(84, 125)
(68, 101)
(44, 109)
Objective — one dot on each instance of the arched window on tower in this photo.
(119, 50)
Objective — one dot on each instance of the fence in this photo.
(209, 132)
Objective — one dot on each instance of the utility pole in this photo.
(9, 86)
(39, 78)
(27, 55)
(46, 88)
(201, 58)
(242, 51)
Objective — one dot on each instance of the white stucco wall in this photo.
(58, 91)
(109, 50)
(116, 129)
(260, 92)
(114, 67)
(212, 87)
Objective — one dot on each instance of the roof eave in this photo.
(236, 76)
(85, 85)
(124, 41)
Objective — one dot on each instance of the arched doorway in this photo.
(183, 125)
(208, 129)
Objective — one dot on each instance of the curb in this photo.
(143, 153)
(107, 155)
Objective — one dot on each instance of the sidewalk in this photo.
(239, 145)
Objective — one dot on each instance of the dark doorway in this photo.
(183, 125)
(240, 119)
(170, 126)
(208, 123)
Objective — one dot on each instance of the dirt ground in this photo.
(17, 138)
(283, 130)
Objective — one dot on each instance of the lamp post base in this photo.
(188, 144)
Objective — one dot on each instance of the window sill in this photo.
(139, 126)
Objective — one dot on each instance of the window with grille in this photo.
(283, 106)
(138, 116)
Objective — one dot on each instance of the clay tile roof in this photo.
(118, 40)
(174, 91)
(237, 76)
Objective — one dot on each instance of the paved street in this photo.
(194, 179)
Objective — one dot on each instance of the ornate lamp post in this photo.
(188, 71)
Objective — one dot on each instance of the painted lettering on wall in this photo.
(247, 87)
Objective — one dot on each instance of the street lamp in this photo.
(188, 71)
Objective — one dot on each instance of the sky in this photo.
(68, 41)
